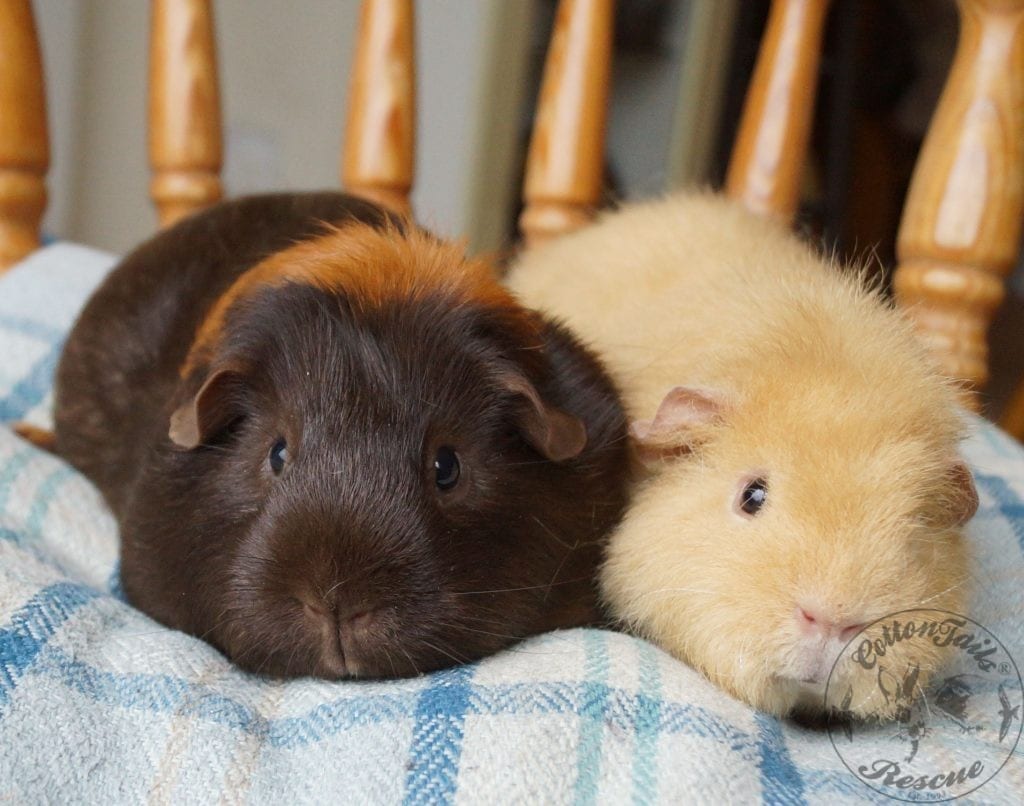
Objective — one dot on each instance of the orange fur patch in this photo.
(373, 265)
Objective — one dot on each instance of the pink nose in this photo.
(811, 622)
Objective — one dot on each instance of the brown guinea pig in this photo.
(803, 479)
(339, 449)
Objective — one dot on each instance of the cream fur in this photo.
(829, 396)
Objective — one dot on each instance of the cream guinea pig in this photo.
(800, 449)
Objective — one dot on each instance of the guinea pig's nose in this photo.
(356, 625)
(811, 622)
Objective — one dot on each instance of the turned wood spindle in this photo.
(771, 144)
(565, 166)
(1012, 420)
(961, 225)
(24, 143)
(184, 109)
(379, 154)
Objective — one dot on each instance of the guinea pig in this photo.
(337, 447)
(799, 449)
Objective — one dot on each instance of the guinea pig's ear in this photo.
(683, 414)
(554, 433)
(963, 500)
(212, 408)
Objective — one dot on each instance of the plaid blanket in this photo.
(99, 704)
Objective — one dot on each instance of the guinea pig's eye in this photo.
(752, 497)
(279, 456)
(446, 469)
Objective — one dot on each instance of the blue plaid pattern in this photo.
(99, 704)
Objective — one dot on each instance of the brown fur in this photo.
(367, 346)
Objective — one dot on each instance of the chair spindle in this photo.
(379, 154)
(771, 144)
(184, 109)
(961, 226)
(24, 142)
(1012, 420)
(565, 167)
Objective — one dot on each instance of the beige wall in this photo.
(284, 68)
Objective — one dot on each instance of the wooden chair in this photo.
(961, 224)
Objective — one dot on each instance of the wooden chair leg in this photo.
(24, 143)
(771, 144)
(184, 109)
(379, 153)
(565, 167)
(1012, 420)
(961, 227)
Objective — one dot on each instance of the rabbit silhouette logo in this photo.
(937, 736)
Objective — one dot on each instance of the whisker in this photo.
(664, 591)
(524, 588)
(291, 657)
(411, 661)
(459, 661)
(554, 537)
(941, 593)
(463, 627)
(333, 588)
(554, 576)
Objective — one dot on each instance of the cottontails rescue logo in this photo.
(936, 739)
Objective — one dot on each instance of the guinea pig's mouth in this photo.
(333, 665)
(812, 665)
(362, 638)
(801, 682)
(809, 684)
(373, 643)
(806, 696)
(350, 640)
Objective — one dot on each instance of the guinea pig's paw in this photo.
(40, 437)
